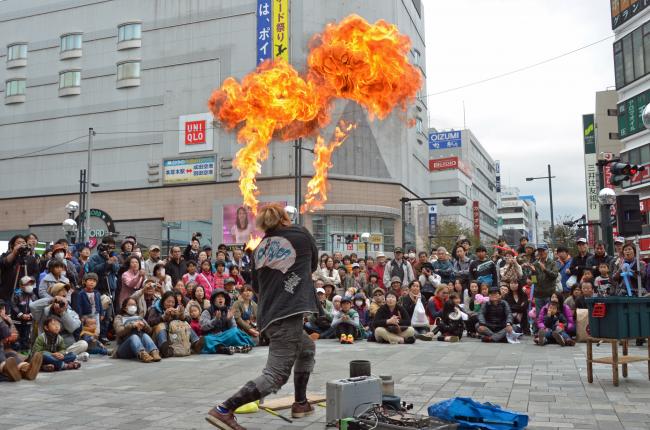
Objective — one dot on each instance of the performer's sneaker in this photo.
(300, 410)
(223, 421)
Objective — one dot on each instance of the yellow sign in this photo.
(376, 238)
(281, 29)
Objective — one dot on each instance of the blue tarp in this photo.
(470, 414)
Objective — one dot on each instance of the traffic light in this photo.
(349, 239)
(454, 201)
(622, 172)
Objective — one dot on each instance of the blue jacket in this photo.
(106, 272)
(82, 305)
(444, 269)
(563, 275)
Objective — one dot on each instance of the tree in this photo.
(566, 234)
(448, 232)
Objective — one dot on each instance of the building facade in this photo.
(518, 216)
(461, 166)
(140, 74)
(631, 25)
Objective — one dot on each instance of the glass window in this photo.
(635, 156)
(349, 225)
(639, 65)
(132, 31)
(416, 57)
(70, 42)
(419, 125)
(15, 87)
(17, 52)
(68, 79)
(628, 59)
(645, 154)
(129, 70)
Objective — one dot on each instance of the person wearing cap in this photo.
(579, 262)
(317, 324)
(21, 314)
(495, 318)
(396, 286)
(399, 267)
(380, 269)
(546, 271)
(600, 256)
(346, 322)
(154, 258)
(483, 269)
(619, 241)
(373, 283)
(55, 274)
(358, 278)
(58, 305)
(229, 285)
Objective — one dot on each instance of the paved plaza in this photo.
(549, 383)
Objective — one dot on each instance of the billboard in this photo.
(264, 33)
(189, 170)
(476, 217)
(624, 10)
(591, 168)
(497, 170)
(433, 220)
(629, 114)
(239, 223)
(195, 133)
(281, 29)
(446, 163)
(445, 140)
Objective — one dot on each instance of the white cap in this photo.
(320, 290)
(380, 254)
(619, 239)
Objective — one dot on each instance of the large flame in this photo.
(253, 242)
(317, 187)
(355, 60)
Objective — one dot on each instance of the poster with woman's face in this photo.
(239, 223)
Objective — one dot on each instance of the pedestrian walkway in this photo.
(550, 383)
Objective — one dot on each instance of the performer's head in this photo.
(271, 217)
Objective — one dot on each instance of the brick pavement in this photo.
(549, 383)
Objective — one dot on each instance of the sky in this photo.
(532, 118)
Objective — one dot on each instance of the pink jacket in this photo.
(206, 280)
(219, 280)
(568, 314)
(131, 282)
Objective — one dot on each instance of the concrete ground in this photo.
(549, 383)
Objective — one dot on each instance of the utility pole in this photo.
(297, 144)
(550, 195)
(89, 180)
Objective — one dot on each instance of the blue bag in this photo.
(470, 414)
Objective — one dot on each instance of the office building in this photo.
(518, 216)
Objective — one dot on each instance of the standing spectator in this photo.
(399, 267)
(55, 275)
(220, 275)
(132, 279)
(629, 264)
(443, 266)
(495, 318)
(579, 262)
(84, 256)
(206, 278)
(546, 271)
(14, 264)
(193, 248)
(523, 241)
(564, 267)
(417, 266)
(380, 269)
(330, 275)
(483, 269)
(192, 272)
(461, 266)
(104, 263)
(600, 255)
(176, 267)
(21, 314)
(153, 260)
(511, 270)
(429, 281)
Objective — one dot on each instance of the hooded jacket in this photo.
(282, 266)
(210, 323)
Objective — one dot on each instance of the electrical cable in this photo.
(27, 154)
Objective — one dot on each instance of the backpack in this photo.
(179, 338)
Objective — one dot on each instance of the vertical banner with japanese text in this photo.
(281, 29)
(476, 214)
(264, 32)
(591, 173)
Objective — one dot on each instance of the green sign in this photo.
(629, 114)
(589, 133)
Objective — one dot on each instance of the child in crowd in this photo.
(555, 323)
(346, 322)
(191, 274)
(236, 275)
(361, 307)
(378, 300)
(89, 334)
(195, 318)
(50, 343)
(220, 275)
(229, 285)
(602, 282)
(87, 302)
(450, 325)
(571, 301)
(21, 314)
(55, 270)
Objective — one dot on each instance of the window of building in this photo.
(613, 136)
(632, 56)
(330, 231)
(15, 87)
(645, 154)
(419, 125)
(70, 42)
(612, 112)
(17, 51)
(129, 31)
(416, 57)
(128, 70)
(69, 79)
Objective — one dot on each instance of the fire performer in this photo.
(282, 266)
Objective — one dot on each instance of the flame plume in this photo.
(355, 60)
(253, 242)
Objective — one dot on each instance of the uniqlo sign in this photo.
(194, 132)
(443, 163)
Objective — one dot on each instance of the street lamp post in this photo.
(606, 198)
(70, 225)
(550, 196)
(365, 238)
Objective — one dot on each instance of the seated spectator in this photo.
(132, 334)
(555, 324)
(69, 321)
(21, 314)
(358, 277)
(132, 279)
(378, 300)
(468, 299)
(87, 302)
(194, 317)
(55, 275)
(330, 275)
(395, 286)
(443, 266)
(51, 344)
(450, 325)
(518, 302)
(360, 304)
(569, 326)
(495, 318)
(458, 289)
(12, 366)
(147, 296)
(587, 289)
(191, 274)
(317, 324)
(236, 275)
(220, 275)
(221, 335)
(409, 302)
(572, 300)
(164, 280)
(346, 279)
(160, 316)
(90, 335)
(245, 313)
(373, 284)
(393, 323)
(436, 303)
(206, 278)
(429, 281)
(179, 293)
(330, 291)
(511, 270)
(197, 297)
(229, 285)
(346, 322)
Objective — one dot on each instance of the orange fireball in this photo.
(253, 242)
(355, 60)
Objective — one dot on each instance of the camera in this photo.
(103, 248)
(23, 251)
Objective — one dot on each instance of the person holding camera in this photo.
(58, 306)
(14, 264)
(105, 264)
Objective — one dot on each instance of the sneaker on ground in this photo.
(223, 421)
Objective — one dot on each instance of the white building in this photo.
(518, 216)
